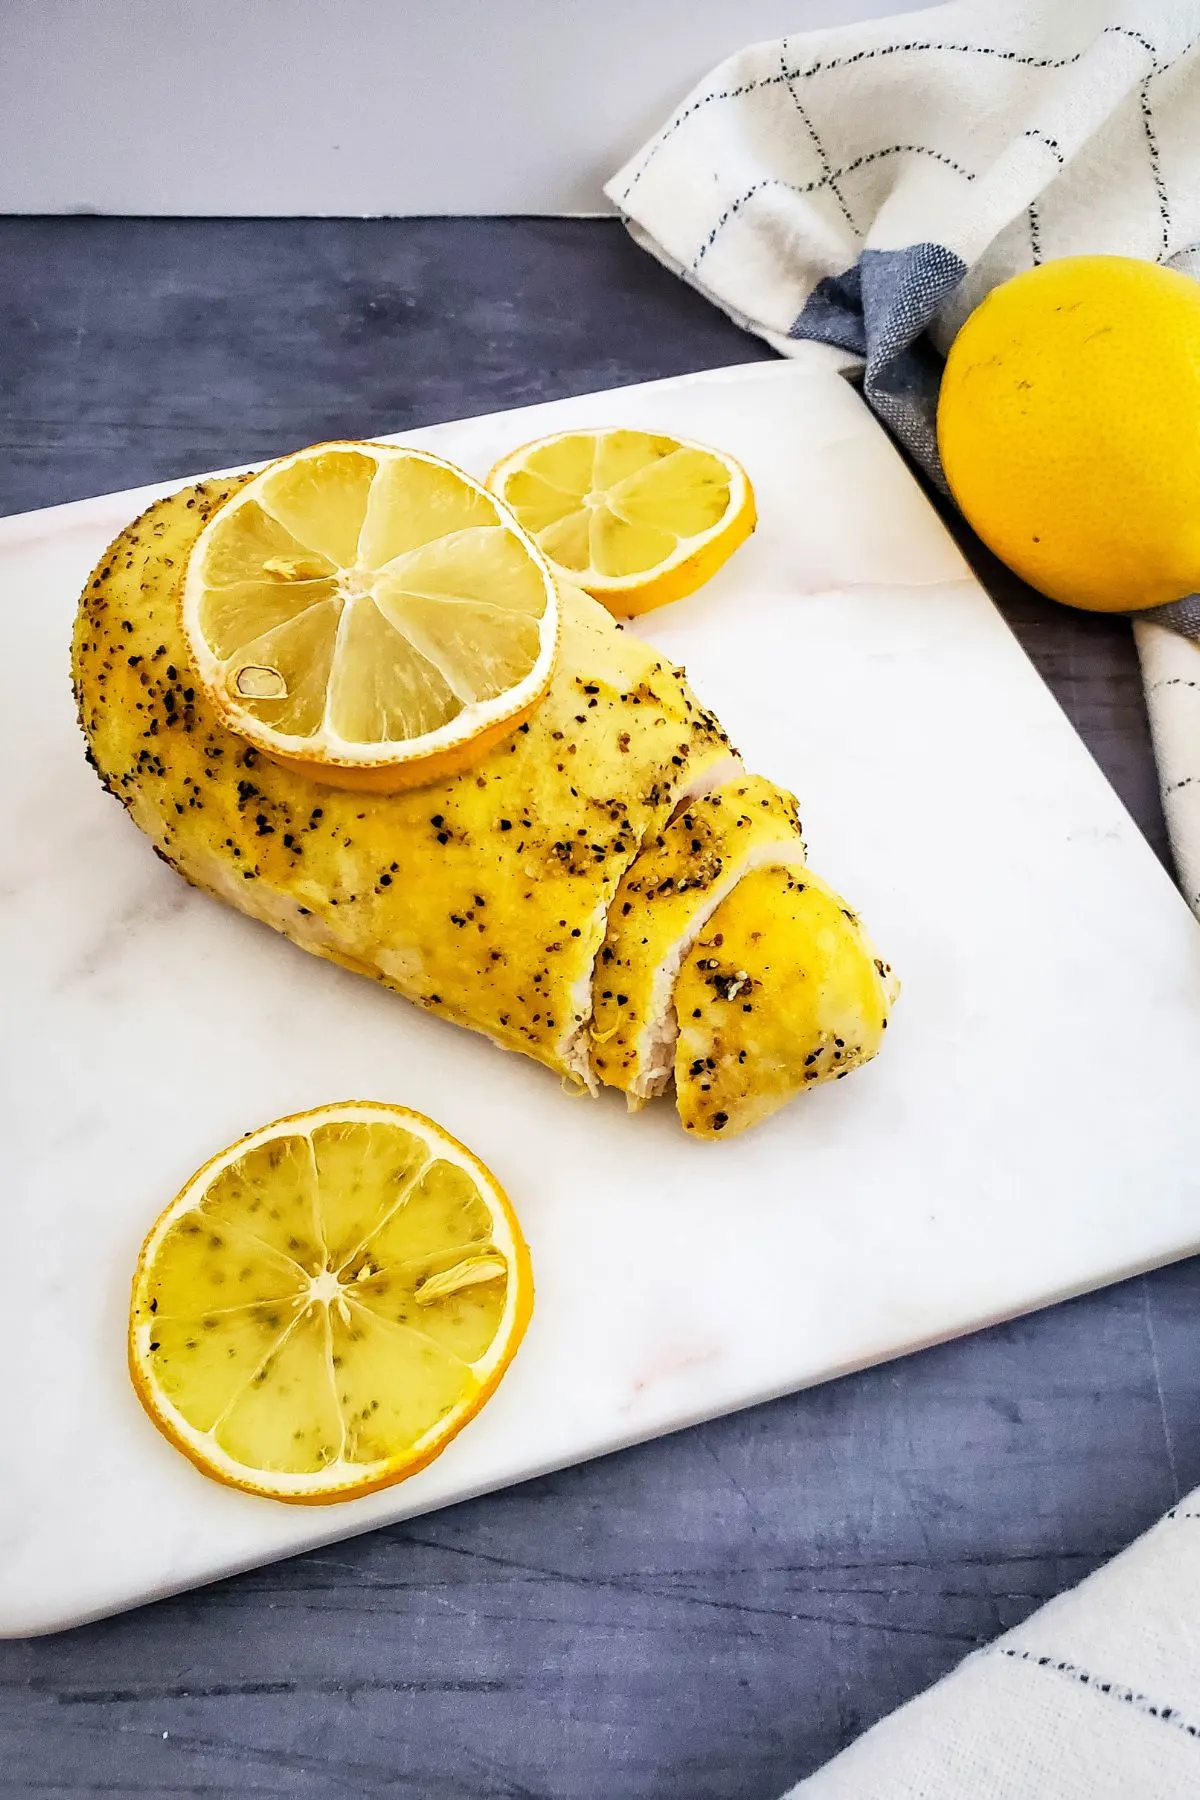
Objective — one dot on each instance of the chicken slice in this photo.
(783, 990)
(680, 876)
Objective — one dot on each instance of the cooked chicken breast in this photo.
(782, 991)
(611, 853)
(484, 898)
(666, 897)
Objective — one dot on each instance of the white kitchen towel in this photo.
(866, 186)
(1171, 671)
(1096, 1697)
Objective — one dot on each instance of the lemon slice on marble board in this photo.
(328, 1302)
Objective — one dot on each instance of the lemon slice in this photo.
(369, 615)
(327, 1303)
(635, 518)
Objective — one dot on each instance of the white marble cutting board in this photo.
(1031, 1130)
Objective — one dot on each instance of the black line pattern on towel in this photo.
(860, 56)
(1050, 143)
(1186, 782)
(1160, 186)
(1167, 1715)
(1192, 44)
(826, 164)
(811, 187)
(1180, 1512)
(668, 131)
(1128, 31)
(1174, 681)
(1035, 233)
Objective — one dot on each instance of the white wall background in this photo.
(258, 107)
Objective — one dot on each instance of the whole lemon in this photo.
(1069, 430)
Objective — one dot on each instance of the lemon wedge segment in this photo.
(635, 518)
(327, 1303)
(369, 615)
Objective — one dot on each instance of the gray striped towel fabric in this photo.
(866, 186)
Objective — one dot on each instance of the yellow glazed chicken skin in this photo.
(615, 826)
(783, 991)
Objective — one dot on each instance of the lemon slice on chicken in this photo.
(635, 518)
(369, 615)
(327, 1303)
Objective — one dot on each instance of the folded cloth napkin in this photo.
(1096, 1697)
(866, 187)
